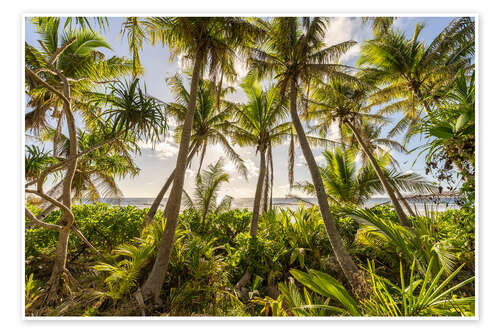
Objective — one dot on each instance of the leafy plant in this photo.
(429, 296)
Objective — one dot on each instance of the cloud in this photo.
(161, 150)
(341, 29)
(301, 160)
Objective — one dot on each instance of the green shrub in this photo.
(103, 225)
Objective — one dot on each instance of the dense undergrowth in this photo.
(424, 271)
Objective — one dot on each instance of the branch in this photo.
(82, 237)
(41, 223)
(63, 163)
(58, 52)
(95, 82)
(50, 199)
(46, 85)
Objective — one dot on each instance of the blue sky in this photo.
(157, 164)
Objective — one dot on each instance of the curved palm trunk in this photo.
(154, 282)
(159, 198)
(349, 268)
(387, 187)
(258, 195)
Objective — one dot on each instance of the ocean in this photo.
(291, 203)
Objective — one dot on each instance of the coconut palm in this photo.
(210, 126)
(208, 185)
(292, 53)
(205, 41)
(261, 123)
(347, 183)
(380, 147)
(413, 75)
(344, 104)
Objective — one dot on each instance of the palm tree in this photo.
(380, 147)
(261, 122)
(205, 41)
(413, 74)
(210, 126)
(347, 183)
(293, 52)
(345, 104)
(208, 184)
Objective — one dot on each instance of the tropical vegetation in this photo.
(89, 115)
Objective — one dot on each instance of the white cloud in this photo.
(341, 29)
(301, 161)
(161, 150)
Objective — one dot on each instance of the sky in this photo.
(157, 164)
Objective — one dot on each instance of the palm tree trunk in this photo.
(203, 151)
(403, 200)
(265, 195)
(271, 166)
(349, 268)
(154, 282)
(159, 198)
(240, 286)
(387, 187)
(258, 194)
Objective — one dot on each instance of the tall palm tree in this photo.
(210, 126)
(380, 147)
(293, 52)
(347, 183)
(344, 104)
(207, 187)
(413, 75)
(261, 122)
(204, 41)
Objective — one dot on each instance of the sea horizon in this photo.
(283, 202)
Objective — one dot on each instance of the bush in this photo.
(103, 225)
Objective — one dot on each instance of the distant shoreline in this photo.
(283, 202)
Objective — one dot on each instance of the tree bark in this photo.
(159, 198)
(387, 187)
(265, 194)
(349, 268)
(258, 194)
(403, 200)
(152, 287)
(67, 215)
